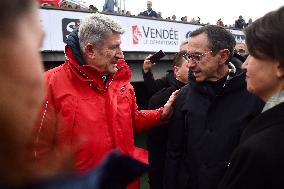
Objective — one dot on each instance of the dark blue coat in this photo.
(205, 129)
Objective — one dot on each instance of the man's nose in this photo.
(119, 53)
(191, 63)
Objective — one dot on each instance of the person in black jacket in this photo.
(153, 85)
(157, 137)
(149, 12)
(210, 113)
(258, 160)
(240, 23)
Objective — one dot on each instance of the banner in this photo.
(140, 34)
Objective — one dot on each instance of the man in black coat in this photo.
(149, 12)
(210, 113)
(240, 23)
(157, 137)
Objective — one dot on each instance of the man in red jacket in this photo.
(90, 107)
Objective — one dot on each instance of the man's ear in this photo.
(175, 69)
(90, 51)
(224, 54)
(280, 71)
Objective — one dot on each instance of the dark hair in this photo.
(265, 36)
(10, 12)
(178, 57)
(218, 38)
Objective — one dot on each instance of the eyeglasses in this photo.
(185, 56)
(195, 56)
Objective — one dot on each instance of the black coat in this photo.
(258, 162)
(154, 86)
(205, 129)
(240, 23)
(152, 14)
(158, 136)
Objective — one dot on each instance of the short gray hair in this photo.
(184, 42)
(94, 29)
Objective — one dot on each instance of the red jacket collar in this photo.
(90, 74)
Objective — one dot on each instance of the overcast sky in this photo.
(207, 10)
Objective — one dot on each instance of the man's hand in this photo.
(147, 65)
(168, 107)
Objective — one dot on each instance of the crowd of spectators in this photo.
(111, 6)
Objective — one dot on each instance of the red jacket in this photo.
(89, 117)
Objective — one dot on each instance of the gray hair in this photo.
(184, 42)
(94, 29)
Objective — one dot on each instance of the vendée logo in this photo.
(136, 35)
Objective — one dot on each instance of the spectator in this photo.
(240, 23)
(249, 22)
(63, 4)
(109, 6)
(22, 91)
(159, 15)
(149, 12)
(184, 19)
(209, 113)
(91, 106)
(77, 7)
(198, 20)
(157, 137)
(219, 23)
(241, 49)
(92, 8)
(128, 13)
(153, 85)
(174, 17)
(192, 21)
(258, 160)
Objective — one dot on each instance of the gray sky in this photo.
(207, 10)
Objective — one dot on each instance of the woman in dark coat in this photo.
(258, 162)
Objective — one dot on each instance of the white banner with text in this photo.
(140, 34)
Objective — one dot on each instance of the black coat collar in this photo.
(264, 120)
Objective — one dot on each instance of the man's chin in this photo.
(113, 70)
